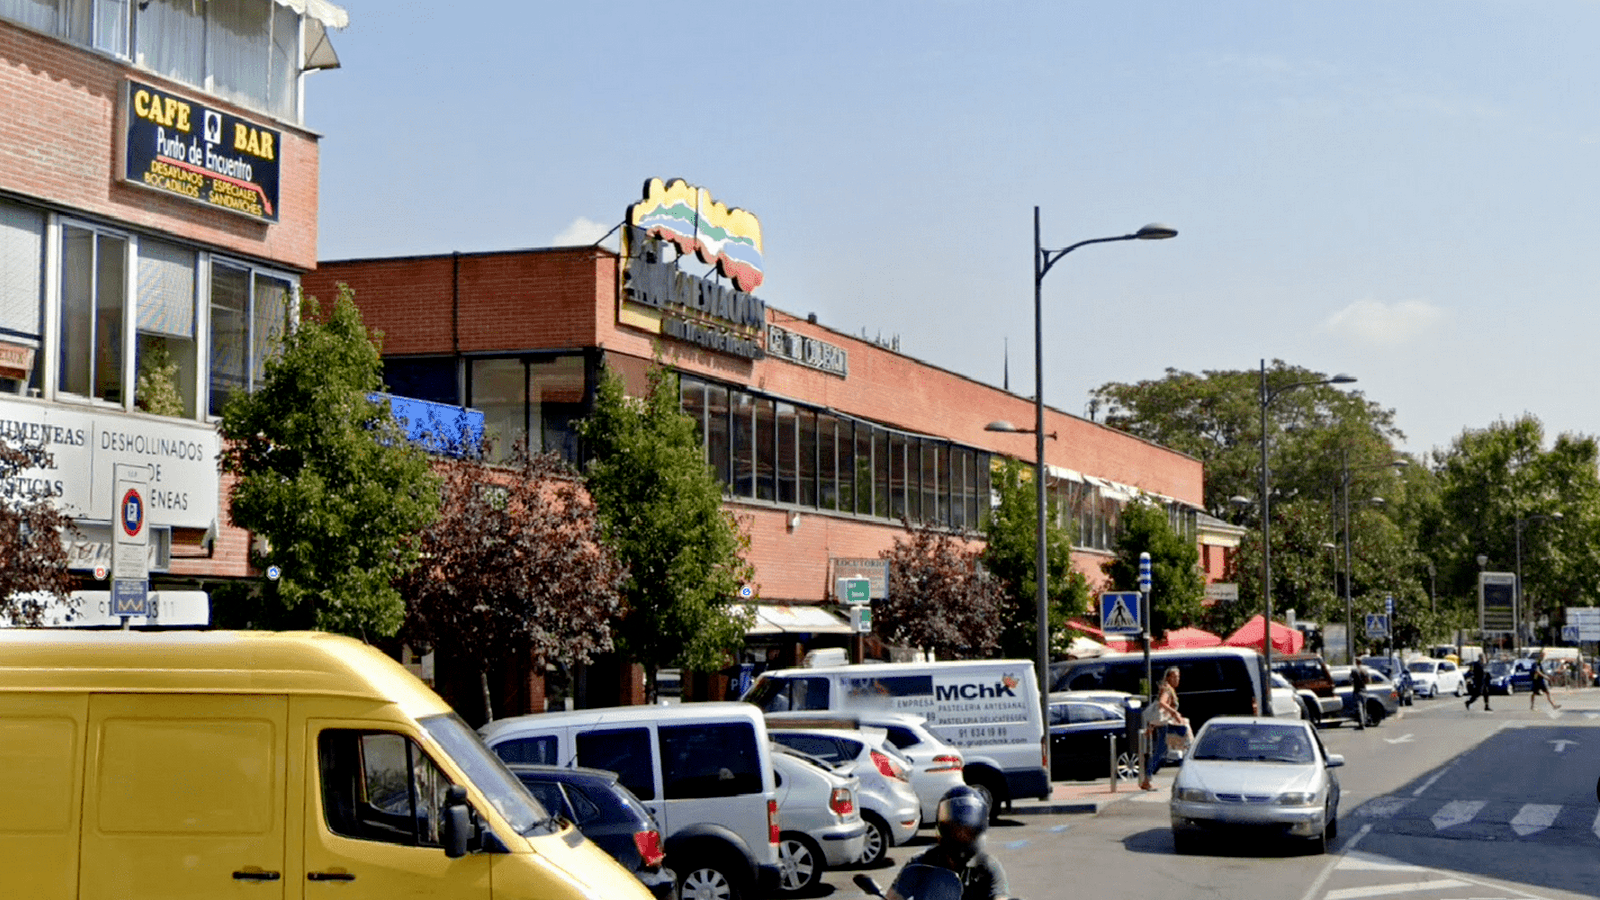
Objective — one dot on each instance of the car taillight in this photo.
(772, 822)
(841, 802)
(945, 764)
(887, 766)
(649, 844)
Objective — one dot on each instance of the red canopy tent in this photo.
(1115, 642)
(1284, 638)
(1184, 638)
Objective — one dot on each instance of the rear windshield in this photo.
(787, 694)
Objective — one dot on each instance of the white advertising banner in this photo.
(88, 445)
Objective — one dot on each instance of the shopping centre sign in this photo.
(185, 149)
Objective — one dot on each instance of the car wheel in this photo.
(800, 863)
(1458, 689)
(1333, 827)
(1375, 712)
(1127, 766)
(986, 789)
(707, 880)
(877, 843)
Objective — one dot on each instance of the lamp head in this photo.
(1001, 425)
(1156, 231)
(1342, 378)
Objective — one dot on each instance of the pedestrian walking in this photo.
(1358, 694)
(1169, 724)
(1478, 684)
(1541, 685)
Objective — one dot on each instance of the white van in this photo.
(989, 709)
(703, 769)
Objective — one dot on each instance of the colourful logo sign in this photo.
(132, 513)
(686, 215)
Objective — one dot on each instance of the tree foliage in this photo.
(328, 478)
(942, 602)
(1177, 589)
(514, 568)
(33, 552)
(1012, 533)
(660, 506)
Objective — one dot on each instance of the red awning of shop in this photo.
(1284, 638)
(1115, 642)
(1185, 638)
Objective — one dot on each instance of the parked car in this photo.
(1433, 677)
(1394, 668)
(1213, 681)
(607, 814)
(1256, 773)
(1382, 699)
(1508, 676)
(1082, 734)
(888, 804)
(821, 825)
(1286, 701)
(1310, 677)
(935, 768)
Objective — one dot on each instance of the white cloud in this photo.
(1384, 324)
(582, 231)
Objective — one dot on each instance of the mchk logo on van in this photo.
(1005, 686)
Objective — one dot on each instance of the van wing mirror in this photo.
(457, 824)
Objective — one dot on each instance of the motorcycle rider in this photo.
(962, 818)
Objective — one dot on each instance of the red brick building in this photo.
(158, 205)
(824, 441)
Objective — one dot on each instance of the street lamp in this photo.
(1349, 570)
(1043, 260)
(1266, 519)
(1516, 632)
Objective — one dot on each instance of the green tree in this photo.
(33, 531)
(514, 570)
(660, 505)
(1177, 588)
(941, 602)
(328, 478)
(1011, 531)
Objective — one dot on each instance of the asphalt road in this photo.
(1442, 803)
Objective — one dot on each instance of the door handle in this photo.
(254, 874)
(330, 876)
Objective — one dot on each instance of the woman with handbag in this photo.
(1169, 727)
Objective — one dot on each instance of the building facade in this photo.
(158, 208)
(825, 443)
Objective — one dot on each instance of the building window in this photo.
(94, 289)
(498, 392)
(244, 50)
(21, 298)
(249, 316)
(765, 439)
(788, 449)
(719, 443)
(101, 24)
(898, 479)
(806, 429)
(165, 355)
(432, 379)
(742, 413)
(557, 392)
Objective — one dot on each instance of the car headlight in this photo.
(1299, 798)
(1191, 795)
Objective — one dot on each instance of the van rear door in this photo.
(41, 752)
(184, 797)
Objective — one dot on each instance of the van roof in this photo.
(208, 662)
(709, 710)
(903, 667)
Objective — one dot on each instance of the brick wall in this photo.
(59, 145)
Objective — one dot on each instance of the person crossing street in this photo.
(1478, 684)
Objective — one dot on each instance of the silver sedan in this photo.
(1270, 775)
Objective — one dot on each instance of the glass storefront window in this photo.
(93, 296)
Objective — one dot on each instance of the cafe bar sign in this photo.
(186, 149)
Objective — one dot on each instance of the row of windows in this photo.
(130, 320)
(247, 51)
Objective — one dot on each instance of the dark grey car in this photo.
(607, 813)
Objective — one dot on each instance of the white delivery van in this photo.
(704, 770)
(989, 709)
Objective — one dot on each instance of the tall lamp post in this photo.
(1522, 522)
(1344, 483)
(1043, 260)
(1266, 505)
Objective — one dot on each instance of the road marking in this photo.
(1017, 845)
(1057, 829)
(1315, 889)
(1384, 807)
(1365, 862)
(1378, 890)
(1429, 783)
(1534, 817)
(1596, 828)
(1457, 812)
(1561, 744)
(1402, 739)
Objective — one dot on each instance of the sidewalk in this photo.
(1070, 797)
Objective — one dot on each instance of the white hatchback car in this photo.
(821, 824)
(1432, 677)
(935, 765)
(889, 806)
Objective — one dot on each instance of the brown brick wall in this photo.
(58, 145)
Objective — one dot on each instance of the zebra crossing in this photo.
(1481, 819)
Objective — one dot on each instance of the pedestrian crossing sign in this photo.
(1119, 613)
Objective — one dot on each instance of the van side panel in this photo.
(184, 797)
(41, 752)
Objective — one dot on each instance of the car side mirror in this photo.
(1335, 760)
(457, 822)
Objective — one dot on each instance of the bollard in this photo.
(1111, 742)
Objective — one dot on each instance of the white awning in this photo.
(1061, 473)
(321, 10)
(794, 619)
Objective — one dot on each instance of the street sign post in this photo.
(1377, 626)
(130, 542)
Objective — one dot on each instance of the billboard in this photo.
(1497, 602)
(208, 156)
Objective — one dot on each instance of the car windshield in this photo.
(504, 790)
(1424, 667)
(1499, 667)
(1254, 742)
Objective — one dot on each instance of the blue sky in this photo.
(1400, 191)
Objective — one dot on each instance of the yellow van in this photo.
(179, 765)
